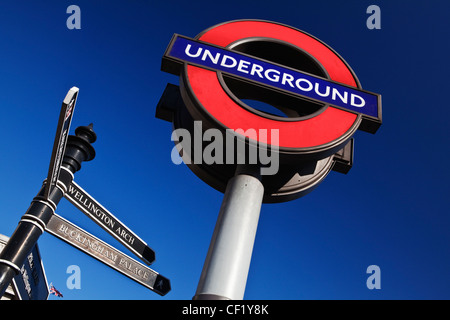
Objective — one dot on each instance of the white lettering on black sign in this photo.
(108, 222)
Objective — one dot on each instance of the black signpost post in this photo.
(31, 283)
(67, 155)
(34, 221)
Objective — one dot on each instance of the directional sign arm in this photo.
(103, 252)
(105, 219)
(62, 133)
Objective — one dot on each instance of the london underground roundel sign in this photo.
(232, 63)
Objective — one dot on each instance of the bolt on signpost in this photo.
(289, 70)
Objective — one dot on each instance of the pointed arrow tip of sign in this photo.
(149, 255)
(162, 285)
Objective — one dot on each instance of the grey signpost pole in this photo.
(34, 221)
(227, 263)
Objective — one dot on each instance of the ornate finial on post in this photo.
(79, 147)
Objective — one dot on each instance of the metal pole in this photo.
(34, 221)
(227, 263)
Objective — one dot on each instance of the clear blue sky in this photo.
(391, 210)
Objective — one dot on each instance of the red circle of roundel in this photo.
(324, 128)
